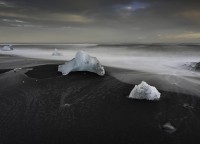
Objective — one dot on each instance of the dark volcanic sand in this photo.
(43, 107)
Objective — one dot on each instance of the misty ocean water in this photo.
(161, 65)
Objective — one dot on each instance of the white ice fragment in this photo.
(7, 48)
(82, 62)
(144, 91)
(17, 69)
(67, 105)
(168, 127)
(56, 53)
(187, 106)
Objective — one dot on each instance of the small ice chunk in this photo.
(144, 91)
(169, 128)
(17, 69)
(82, 62)
(56, 53)
(67, 105)
(7, 48)
(187, 106)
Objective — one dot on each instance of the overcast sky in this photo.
(99, 21)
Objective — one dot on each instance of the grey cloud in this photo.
(146, 20)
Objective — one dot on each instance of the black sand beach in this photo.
(40, 106)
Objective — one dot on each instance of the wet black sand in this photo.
(43, 107)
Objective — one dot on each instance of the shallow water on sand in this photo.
(161, 65)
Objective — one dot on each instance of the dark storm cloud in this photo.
(67, 5)
(140, 19)
(114, 9)
(83, 5)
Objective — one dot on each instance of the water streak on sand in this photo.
(157, 64)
